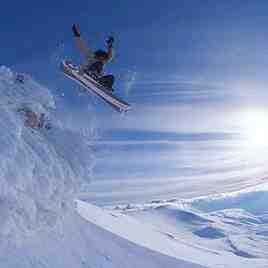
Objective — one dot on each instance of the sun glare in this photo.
(255, 128)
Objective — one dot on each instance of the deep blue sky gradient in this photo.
(183, 36)
(195, 53)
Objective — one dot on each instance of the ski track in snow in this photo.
(42, 172)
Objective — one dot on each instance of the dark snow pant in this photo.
(95, 68)
(95, 71)
(107, 81)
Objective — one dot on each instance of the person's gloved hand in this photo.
(109, 42)
(76, 30)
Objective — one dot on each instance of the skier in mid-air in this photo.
(95, 61)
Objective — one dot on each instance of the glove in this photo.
(76, 30)
(109, 42)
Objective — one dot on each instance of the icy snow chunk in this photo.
(40, 172)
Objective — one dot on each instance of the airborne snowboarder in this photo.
(90, 74)
(95, 61)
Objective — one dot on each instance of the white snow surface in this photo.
(39, 170)
(229, 223)
(41, 173)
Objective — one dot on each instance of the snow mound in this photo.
(145, 235)
(235, 222)
(80, 244)
(236, 216)
(185, 216)
(40, 170)
(210, 232)
(252, 200)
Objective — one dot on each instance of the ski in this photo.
(91, 85)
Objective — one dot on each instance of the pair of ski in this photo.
(91, 85)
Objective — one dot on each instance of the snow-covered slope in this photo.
(154, 232)
(78, 243)
(39, 169)
(233, 223)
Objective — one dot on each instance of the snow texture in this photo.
(40, 170)
(235, 222)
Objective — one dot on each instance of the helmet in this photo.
(100, 53)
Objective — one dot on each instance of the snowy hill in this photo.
(41, 173)
(40, 169)
(235, 222)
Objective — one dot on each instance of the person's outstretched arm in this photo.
(81, 43)
(110, 49)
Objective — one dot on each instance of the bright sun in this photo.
(255, 127)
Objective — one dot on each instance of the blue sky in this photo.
(194, 69)
(185, 36)
(214, 44)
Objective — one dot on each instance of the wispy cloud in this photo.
(130, 79)
(178, 89)
(184, 87)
